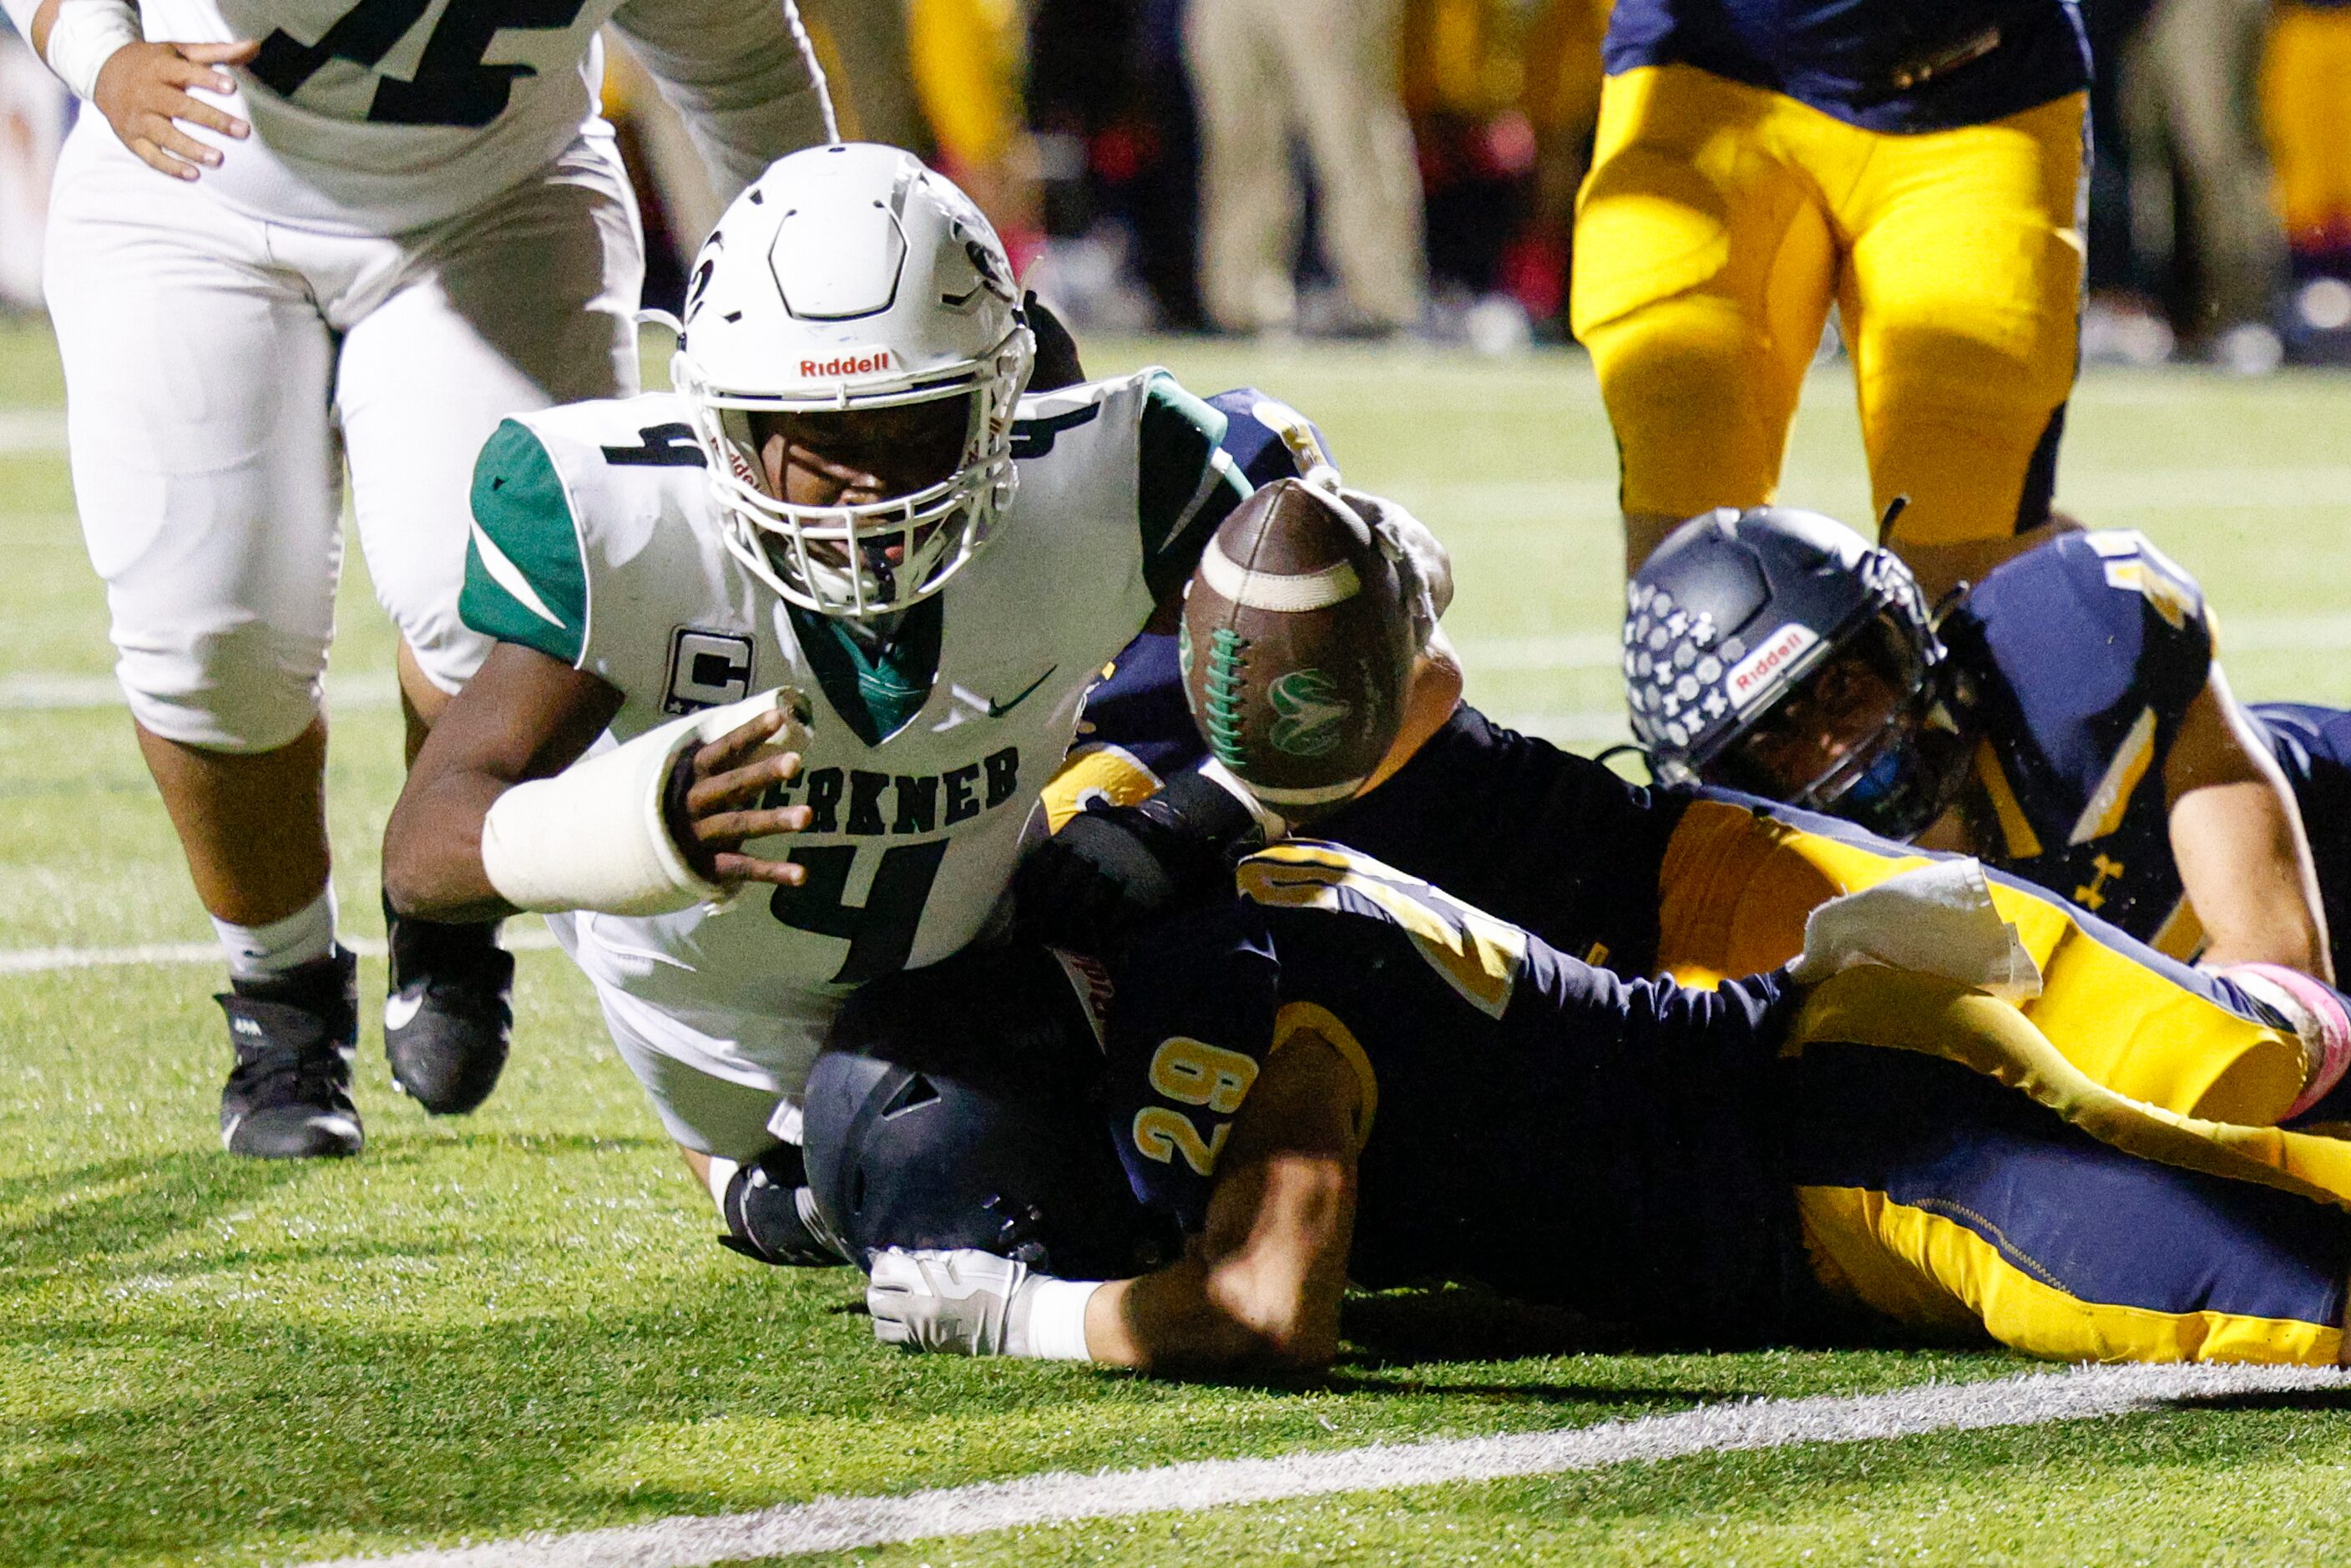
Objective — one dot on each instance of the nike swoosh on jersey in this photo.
(997, 710)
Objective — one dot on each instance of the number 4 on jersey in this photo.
(452, 85)
(880, 931)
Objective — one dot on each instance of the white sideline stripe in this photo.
(848, 1523)
(31, 431)
(1536, 652)
(2240, 633)
(2105, 491)
(37, 691)
(532, 938)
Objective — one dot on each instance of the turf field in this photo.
(517, 1322)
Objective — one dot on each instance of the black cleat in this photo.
(290, 1095)
(448, 1019)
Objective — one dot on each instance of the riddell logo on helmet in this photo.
(1751, 677)
(855, 362)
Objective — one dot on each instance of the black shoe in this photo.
(448, 1019)
(290, 1096)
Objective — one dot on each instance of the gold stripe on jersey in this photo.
(1097, 771)
(1478, 956)
(2110, 803)
(2181, 935)
(2015, 827)
(1737, 885)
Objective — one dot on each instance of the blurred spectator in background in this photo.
(2201, 221)
(2306, 105)
(1326, 70)
(1503, 95)
(34, 110)
(1118, 149)
(1446, 142)
(968, 60)
(939, 77)
(863, 47)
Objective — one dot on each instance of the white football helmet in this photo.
(845, 279)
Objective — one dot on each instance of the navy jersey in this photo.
(1535, 1122)
(2313, 745)
(1554, 841)
(2084, 655)
(1883, 64)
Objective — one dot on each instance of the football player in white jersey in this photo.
(848, 506)
(301, 235)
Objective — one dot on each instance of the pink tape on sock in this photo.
(2325, 1010)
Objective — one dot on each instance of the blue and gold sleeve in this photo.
(1954, 1173)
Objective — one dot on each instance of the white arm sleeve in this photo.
(594, 836)
(742, 76)
(83, 36)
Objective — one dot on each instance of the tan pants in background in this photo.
(862, 46)
(1325, 70)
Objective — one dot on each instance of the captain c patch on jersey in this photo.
(706, 669)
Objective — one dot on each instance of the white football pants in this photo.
(220, 370)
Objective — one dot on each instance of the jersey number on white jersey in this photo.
(452, 85)
(880, 931)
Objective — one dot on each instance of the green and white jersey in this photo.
(596, 541)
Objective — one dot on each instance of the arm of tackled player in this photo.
(2238, 837)
(1259, 1289)
(498, 814)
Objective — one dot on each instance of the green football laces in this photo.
(1228, 657)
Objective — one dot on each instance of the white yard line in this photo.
(32, 691)
(848, 1523)
(32, 431)
(1566, 651)
(518, 937)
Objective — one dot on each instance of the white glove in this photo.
(968, 1302)
(1426, 569)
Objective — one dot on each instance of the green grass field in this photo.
(519, 1321)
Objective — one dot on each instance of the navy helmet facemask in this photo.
(1777, 652)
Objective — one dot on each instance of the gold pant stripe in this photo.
(1737, 885)
(1933, 1274)
(1873, 1005)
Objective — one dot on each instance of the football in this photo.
(1296, 648)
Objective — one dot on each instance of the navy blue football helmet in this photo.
(1778, 653)
(955, 1106)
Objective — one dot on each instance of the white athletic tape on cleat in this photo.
(850, 1523)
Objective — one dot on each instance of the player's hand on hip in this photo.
(720, 800)
(143, 91)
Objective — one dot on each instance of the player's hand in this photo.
(142, 90)
(713, 806)
(1111, 867)
(962, 1302)
(1426, 567)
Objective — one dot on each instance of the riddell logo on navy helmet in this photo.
(855, 362)
(1751, 677)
